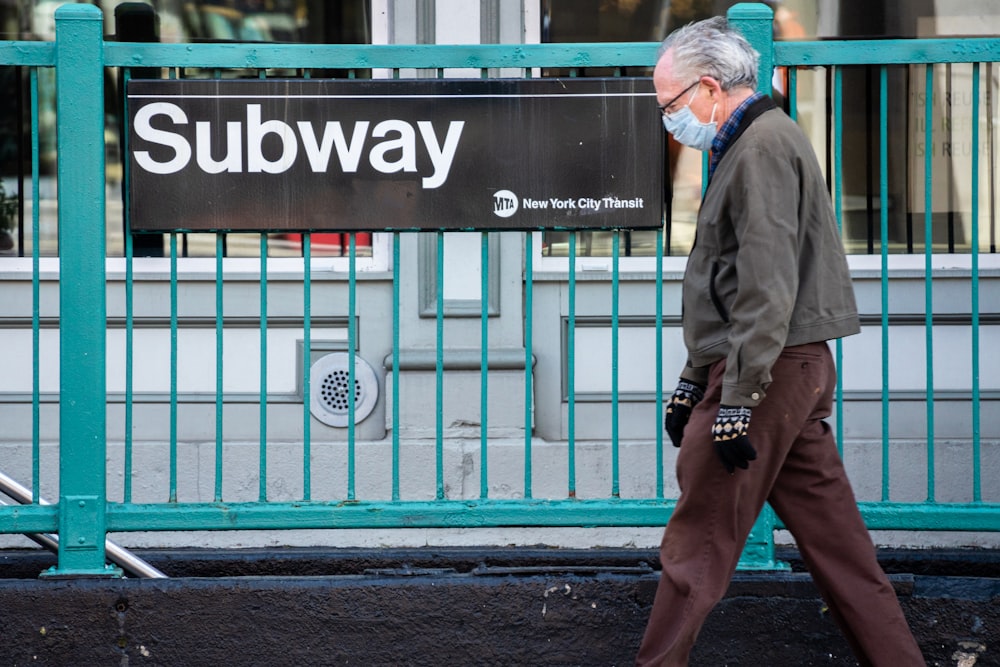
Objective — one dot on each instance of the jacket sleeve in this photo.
(698, 376)
(764, 212)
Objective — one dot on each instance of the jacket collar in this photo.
(752, 112)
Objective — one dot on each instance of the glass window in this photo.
(947, 157)
(607, 21)
(310, 21)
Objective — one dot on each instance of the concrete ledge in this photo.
(457, 607)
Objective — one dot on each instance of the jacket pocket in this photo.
(716, 301)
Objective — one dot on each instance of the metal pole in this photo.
(128, 562)
(756, 22)
(79, 60)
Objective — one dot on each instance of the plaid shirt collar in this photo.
(728, 129)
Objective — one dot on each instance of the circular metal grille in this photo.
(335, 391)
(330, 389)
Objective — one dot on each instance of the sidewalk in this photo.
(459, 607)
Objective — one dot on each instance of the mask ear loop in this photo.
(715, 106)
(693, 93)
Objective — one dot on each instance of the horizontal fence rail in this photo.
(406, 478)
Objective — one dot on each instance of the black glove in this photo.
(729, 434)
(679, 409)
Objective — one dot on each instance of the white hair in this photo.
(712, 48)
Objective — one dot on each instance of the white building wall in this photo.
(457, 21)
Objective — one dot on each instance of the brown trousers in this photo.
(799, 471)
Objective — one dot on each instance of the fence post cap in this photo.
(750, 10)
(79, 12)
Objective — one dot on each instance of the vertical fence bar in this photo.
(129, 357)
(352, 345)
(869, 144)
(571, 368)
(908, 189)
(395, 365)
(220, 283)
(306, 365)
(615, 266)
(884, 250)
(79, 59)
(173, 368)
(838, 203)
(220, 253)
(528, 324)
(262, 448)
(18, 104)
(928, 275)
(439, 373)
(792, 94)
(991, 161)
(657, 424)
(484, 341)
(129, 302)
(36, 403)
(977, 494)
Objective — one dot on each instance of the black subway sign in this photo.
(374, 155)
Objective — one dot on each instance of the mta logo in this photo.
(504, 203)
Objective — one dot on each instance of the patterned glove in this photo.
(679, 409)
(729, 434)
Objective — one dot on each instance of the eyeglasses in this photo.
(664, 109)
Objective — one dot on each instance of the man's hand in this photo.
(729, 434)
(686, 396)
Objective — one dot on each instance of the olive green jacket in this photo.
(768, 269)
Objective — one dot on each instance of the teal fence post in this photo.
(756, 22)
(79, 59)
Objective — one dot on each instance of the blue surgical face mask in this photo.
(688, 130)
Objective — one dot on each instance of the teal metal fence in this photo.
(85, 513)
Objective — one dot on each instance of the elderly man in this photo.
(766, 286)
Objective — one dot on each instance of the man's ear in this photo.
(714, 87)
